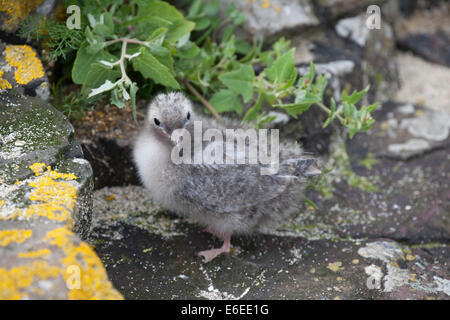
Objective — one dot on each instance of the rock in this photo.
(352, 56)
(427, 34)
(21, 69)
(423, 83)
(379, 195)
(405, 131)
(331, 9)
(157, 260)
(45, 193)
(12, 13)
(274, 17)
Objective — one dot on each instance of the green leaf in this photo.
(179, 29)
(95, 42)
(108, 85)
(84, 60)
(240, 81)
(253, 111)
(157, 37)
(312, 72)
(331, 114)
(281, 70)
(98, 74)
(116, 100)
(355, 97)
(188, 51)
(226, 100)
(151, 68)
(303, 102)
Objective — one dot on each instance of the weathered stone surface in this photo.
(12, 13)
(45, 193)
(423, 83)
(21, 69)
(156, 259)
(331, 9)
(271, 17)
(376, 195)
(404, 131)
(427, 33)
(352, 56)
(32, 131)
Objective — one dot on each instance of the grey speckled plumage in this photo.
(226, 198)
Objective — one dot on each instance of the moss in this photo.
(54, 200)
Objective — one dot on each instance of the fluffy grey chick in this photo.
(226, 198)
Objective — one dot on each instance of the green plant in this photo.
(150, 45)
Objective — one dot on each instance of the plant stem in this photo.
(127, 40)
(202, 99)
(328, 111)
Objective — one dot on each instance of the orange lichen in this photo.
(15, 235)
(54, 200)
(17, 11)
(15, 281)
(37, 168)
(57, 198)
(4, 84)
(34, 254)
(94, 283)
(23, 57)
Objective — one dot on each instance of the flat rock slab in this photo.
(273, 17)
(45, 195)
(152, 255)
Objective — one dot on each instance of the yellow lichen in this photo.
(14, 281)
(335, 266)
(17, 11)
(410, 257)
(34, 254)
(37, 168)
(56, 201)
(265, 4)
(1, 203)
(56, 198)
(94, 283)
(4, 84)
(16, 235)
(23, 57)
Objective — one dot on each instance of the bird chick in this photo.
(227, 198)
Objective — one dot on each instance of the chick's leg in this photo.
(212, 253)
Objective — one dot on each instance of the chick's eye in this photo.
(157, 122)
(188, 116)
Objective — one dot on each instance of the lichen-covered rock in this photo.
(13, 12)
(21, 69)
(45, 194)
